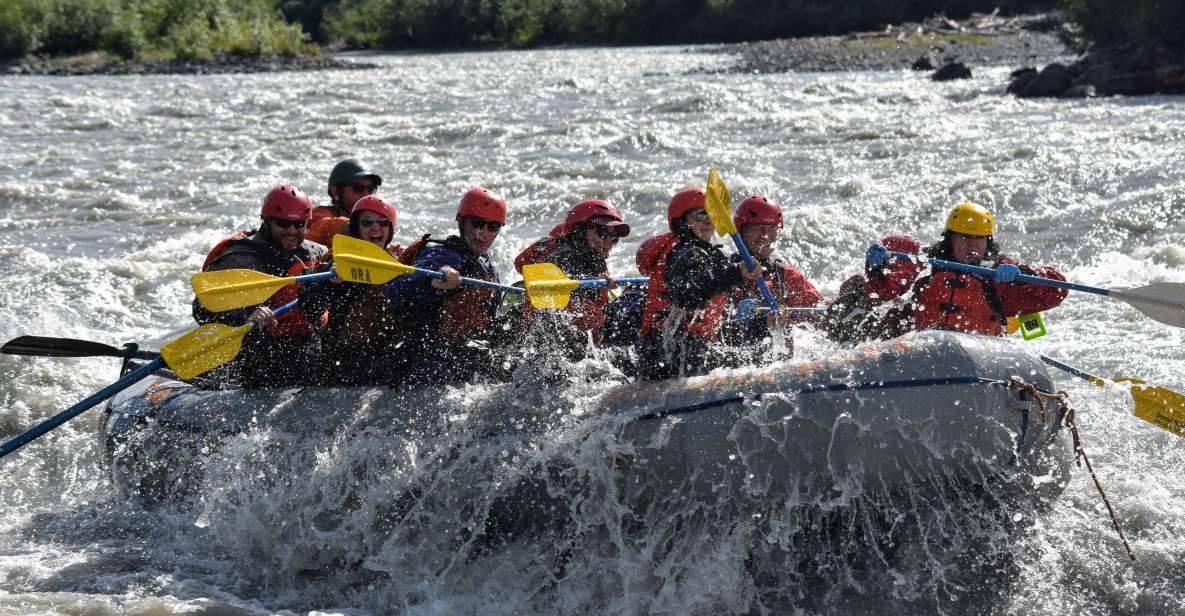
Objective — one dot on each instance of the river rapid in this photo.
(112, 190)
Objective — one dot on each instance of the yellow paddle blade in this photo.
(1158, 406)
(548, 286)
(235, 288)
(204, 349)
(361, 261)
(718, 204)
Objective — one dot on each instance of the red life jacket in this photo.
(703, 324)
(957, 301)
(588, 315)
(789, 286)
(291, 323)
(537, 252)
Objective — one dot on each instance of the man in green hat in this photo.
(349, 181)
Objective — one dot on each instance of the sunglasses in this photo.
(361, 188)
(366, 224)
(700, 216)
(285, 224)
(606, 233)
(477, 224)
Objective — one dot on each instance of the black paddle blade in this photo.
(42, 346)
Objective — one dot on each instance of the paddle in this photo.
(195, 353)
(239, 288)
(548, 287)
(718, 204)
(1158, 406)
(747, 309)
(40, 346)
(1162, 301)
(362, 261)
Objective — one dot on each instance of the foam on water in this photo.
(115, 187)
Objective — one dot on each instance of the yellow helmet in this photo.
(971, 219)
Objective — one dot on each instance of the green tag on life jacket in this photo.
(1032, 325)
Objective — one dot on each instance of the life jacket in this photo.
(408, 256)
(322, 230)
(587, 315)
(367, 320)
(291, 323)
(322, 212)
(788, 285)
(470, 309)
(537, 252)
(703, 324)
(957, 301)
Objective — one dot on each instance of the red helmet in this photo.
(648, 254)
(558, 231)
(483, 204)
(288, 202)
(684, 201)
(373, 203)
(757, 210)
(592, 209)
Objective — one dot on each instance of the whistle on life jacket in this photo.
(1030, 325)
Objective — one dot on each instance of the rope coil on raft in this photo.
(1079, 452)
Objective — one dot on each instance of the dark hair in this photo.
(942, 249)
(355, 230)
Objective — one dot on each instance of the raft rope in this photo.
(1080, 453)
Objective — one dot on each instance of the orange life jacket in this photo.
(959, 302)
(703, 324)
(322, 230)
(291, 323)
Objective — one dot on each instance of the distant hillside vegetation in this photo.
(148, 29)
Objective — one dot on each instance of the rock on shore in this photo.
(938, 42)
(1103, 72)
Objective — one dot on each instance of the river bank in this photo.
(987, 40)
(101, 64)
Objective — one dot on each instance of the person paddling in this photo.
(284, 350)
(943, 299)
(688, 294)
(445, 328)
(359, 327)
(349, 181)
(759, 220)
(590, 231)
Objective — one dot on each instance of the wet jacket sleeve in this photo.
(414, 293)
(891, 280)
(800, 293)
(697, 274)
(231, 260)
(1019, 298)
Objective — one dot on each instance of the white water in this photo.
(112, 189)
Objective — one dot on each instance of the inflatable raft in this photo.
(886, 416)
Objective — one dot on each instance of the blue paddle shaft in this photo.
(315, 277)
(600, 282)
(1068, 368)
(25, 437)
(750, 264)
(471, 281)
(1025, 278)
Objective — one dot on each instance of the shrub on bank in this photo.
(156, 29)
(1108, 23)
(522, 23)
